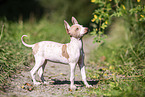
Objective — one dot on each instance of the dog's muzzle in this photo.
(86, 30)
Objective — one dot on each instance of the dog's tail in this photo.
(27, 45)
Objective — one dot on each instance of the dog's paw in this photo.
(73, 87)
(37, 83)
(45, 82)
(89, 86)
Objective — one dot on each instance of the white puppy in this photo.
(71, 53)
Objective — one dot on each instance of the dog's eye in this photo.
(77, 29)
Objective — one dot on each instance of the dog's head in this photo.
(75, 30)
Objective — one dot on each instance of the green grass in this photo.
(119, 64)
(13, 54)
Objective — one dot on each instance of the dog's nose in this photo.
(86, 30)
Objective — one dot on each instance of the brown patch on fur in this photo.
(64, 51)
(75, 31)
(35, 48)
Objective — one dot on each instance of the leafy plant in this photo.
(120, 58)
(131, 10)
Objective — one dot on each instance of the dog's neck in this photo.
(77, 42)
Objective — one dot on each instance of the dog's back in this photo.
(51, 51)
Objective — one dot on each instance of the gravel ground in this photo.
(56, 74)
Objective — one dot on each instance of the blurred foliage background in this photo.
(53, 10)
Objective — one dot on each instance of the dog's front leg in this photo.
(82, 68)
(83, 73)
(72, 77)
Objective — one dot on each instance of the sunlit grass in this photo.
(119, 64)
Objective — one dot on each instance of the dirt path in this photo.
(55, 73)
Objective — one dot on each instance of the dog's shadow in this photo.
(60, 82)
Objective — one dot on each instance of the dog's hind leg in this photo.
(38, 63)
(40, 72)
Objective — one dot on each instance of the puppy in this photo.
(71, 53)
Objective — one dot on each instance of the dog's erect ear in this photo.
(74, 21)
(66, 26)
